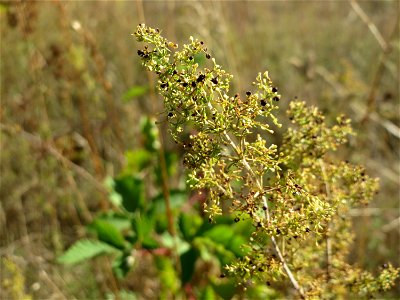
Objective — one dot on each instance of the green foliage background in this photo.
(72, 98)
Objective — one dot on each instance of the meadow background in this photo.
(67, 115)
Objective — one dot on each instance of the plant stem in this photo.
(328, 240)
(267, 215)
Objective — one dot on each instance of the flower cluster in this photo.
(295, 195)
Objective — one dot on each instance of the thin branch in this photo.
(328, 240)
(371, 26)
(35, 140)
(268, 217)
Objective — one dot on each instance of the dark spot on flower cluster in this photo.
(201, 78)
(248, 93)
(214, 80)
(274, 89)
(263, 102)
(208, 56)
(276, 98)
(164, 85)
(237, 219)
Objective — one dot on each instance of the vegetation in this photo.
(281, 201)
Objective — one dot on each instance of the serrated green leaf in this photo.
(84, 250)
(108, 233)
(131, 190)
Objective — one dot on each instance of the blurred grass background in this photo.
(66, 119)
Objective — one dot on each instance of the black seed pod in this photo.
(201, 78)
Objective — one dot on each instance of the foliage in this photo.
(140, 227)
(297, 196)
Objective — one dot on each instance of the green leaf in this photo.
(220, 234)
(150, 134)
(168, 277)
(108, 233)
(188, 225)
(144, 227)
(177, 243)
(131, 190)
(188, 262)
(225, 290)
(83, 250)
(134, 92)
(137, 160)
(208, 293)
(121, 266)
(120, 221)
